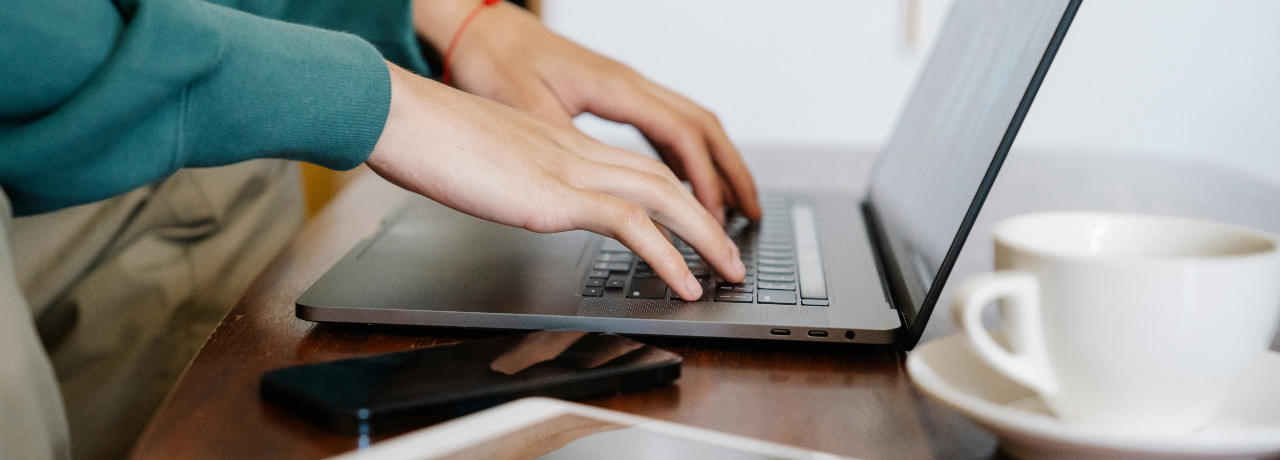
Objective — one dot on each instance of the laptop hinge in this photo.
(872, 224)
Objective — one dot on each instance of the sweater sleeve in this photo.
(387, 24)
(104, 99)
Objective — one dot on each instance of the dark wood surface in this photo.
(848, 400)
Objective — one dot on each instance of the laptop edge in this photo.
(317, 304)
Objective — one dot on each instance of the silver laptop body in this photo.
(863, 269)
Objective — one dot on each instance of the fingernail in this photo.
(737, 265)
(694, 287)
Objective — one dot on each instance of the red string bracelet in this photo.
(448, 54)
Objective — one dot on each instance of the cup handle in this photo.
(1028, 362)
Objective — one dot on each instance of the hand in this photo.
(506, 55)
(507, 166)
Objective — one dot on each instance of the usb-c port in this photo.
(817, 333)
(780, 332)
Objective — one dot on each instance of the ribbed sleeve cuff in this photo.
(287, 91)
(388, 24)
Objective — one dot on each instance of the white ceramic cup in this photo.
(1130, 323)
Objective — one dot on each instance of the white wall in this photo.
(1197, 79)
(812, 72)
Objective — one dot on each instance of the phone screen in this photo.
(412, 388)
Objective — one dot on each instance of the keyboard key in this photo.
(777, 278)
(815, 302)
(749, 279)
(701, 271)
(612, 266)
(735, 287)
(592, 292)
(647, 288)
(593, 273)
(616, 282)
(595, 282)
(614, 257)
(733, 297)
(776, 254)
(644, 273)
(813, 282)
(612, 245)
(788, 270)
(777, 286)
(774, 247)
(776, 297)
(707, 292)
(776, 261)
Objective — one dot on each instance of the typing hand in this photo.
(506, 55)
(507, 166)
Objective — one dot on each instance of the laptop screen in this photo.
(955, 131)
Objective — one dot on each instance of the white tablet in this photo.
(550, 429)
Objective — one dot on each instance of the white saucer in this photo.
(1247, 426)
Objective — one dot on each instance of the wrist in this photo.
(437, 20)
(397, 113)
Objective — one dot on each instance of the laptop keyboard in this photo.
(781, 254)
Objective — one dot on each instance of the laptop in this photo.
(824, 267)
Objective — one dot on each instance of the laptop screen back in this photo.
(953, 135)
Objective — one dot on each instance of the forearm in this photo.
(182, 83)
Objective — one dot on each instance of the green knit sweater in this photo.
(98, 97)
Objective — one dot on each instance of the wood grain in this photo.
(848, 400)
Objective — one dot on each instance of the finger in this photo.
(663, 203)
(726, 156)
(695, 162)
(682, 146)
(628, 223)
(626, 158)
(622, 157)
(729, 198)
(675, 136)
(665, 233)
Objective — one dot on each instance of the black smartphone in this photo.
(414, 388)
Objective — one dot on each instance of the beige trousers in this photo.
(122, 293)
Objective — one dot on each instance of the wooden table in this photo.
(847, 400)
